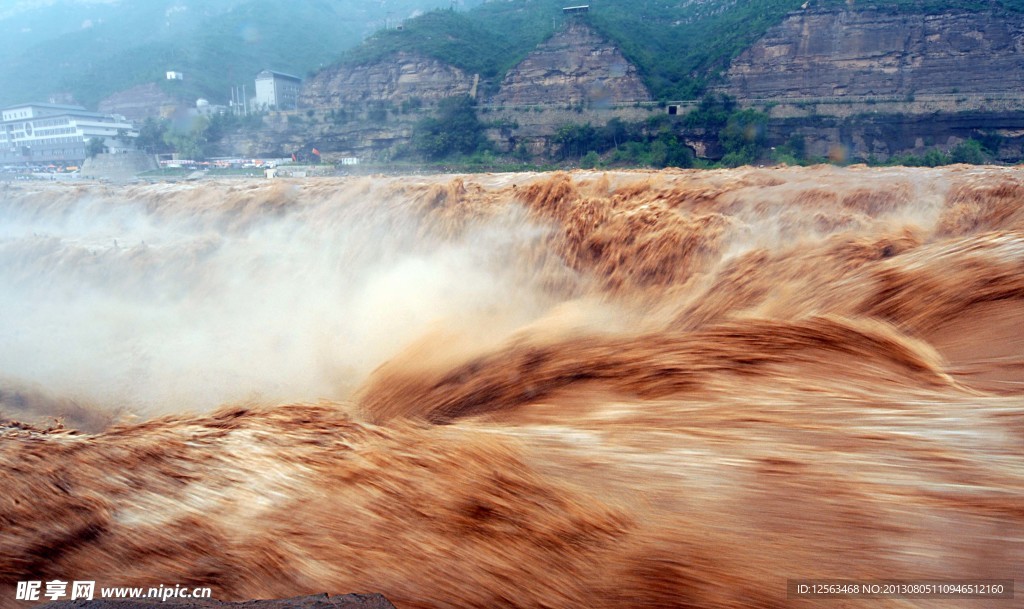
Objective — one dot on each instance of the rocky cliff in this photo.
(825, 53)
(886, 83)
(880, 137)
(575, 66)
(401, 77)
(363, 133)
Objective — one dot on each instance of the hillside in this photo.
(85, 50)
(915, 82)
(89, 50)
(679, 47)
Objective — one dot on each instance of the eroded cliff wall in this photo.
(575, 66)
(825, 53)
(400, 77)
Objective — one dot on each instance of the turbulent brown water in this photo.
(673, 389)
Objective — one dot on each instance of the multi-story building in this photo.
(31, 133)
(277, 91)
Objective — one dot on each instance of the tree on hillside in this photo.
(743, 137)
(970, 152)
(712, 113)
(95, 146)
(574, 140)
(151, 136)
(455, 131)
(189, 144)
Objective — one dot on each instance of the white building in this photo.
(277, 91)
(31, 133)
(175, 76)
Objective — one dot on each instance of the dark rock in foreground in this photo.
(316, 601)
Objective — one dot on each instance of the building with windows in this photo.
(31, 133)
(277, 91)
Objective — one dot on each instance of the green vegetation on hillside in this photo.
(485, 42)
(731, 137)
(456, 132)
(659, 141)
(199, 140)
(651, 143)
(968, 152)
(680, 49)
(675, 46)
(456, 135)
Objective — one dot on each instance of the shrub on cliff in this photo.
(456, 131)
(743, 137)
(590, 160)
(94, 147)
(970, 152)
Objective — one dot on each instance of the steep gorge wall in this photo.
(397, 78)
(879, 137)
(362, 135)
(575, 66)
(826, 53)
(885, 83)
(576, 76)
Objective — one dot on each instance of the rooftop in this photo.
(77, 111)
(266, 73)
(42, 105)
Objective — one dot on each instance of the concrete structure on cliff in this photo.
(35, 133)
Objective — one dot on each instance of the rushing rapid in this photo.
(633, 389)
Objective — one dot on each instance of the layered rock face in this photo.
(827, 53)
(575, 66)
(861, 137)
(402, 76)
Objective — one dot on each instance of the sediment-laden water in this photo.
(675, 389)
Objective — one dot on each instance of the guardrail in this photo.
(752, 101)
(908, 98)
